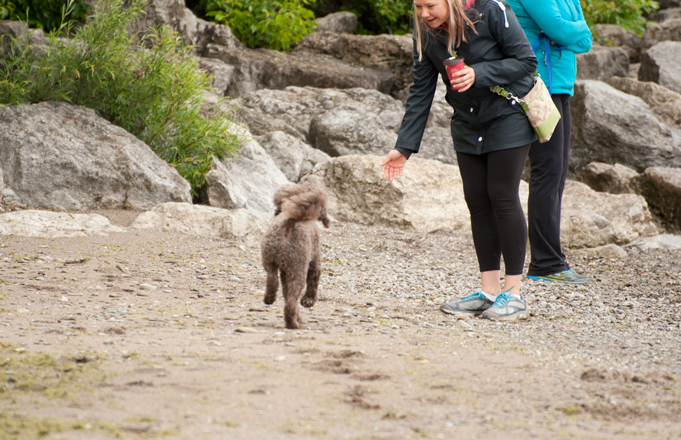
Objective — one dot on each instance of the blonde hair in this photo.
(457, 23)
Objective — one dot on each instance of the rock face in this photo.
(602, 63)
(205, 221)
(58, 156)
(294, 157)
(665, 103)
(591, 218)
(341, 122)
(617, 36)
(613, 179)
(661, 187)
(662, 64)
(429, 196)
(48, 224)
(612, 127)
(393, 53)
(668, 30)
(248, 181)
(339, 22)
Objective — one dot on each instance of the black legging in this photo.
(490, 186)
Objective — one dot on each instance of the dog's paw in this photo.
(308, 301)
(269, 299)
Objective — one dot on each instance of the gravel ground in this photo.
(153, 334)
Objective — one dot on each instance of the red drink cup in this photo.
(453, 65)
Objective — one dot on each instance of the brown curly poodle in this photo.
(291, 247)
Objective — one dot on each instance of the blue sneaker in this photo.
(567, 276)
(507, 307)
(473, 304)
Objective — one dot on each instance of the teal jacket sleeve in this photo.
(547, 15)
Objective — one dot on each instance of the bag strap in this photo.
(511, 97)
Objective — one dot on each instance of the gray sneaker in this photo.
(473, 304)
(507, 307)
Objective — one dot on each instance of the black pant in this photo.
(549, 162)
(490, 186)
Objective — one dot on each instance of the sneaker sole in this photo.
(537, 278)
(517, 316)
(460, 312)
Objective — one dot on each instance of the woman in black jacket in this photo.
(491, 134)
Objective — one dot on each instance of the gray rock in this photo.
(662, 241)
(661, 187)
(668, 30)
(617, 36)
(608, 251)
(268, 69)
(590, 219)
(662, 64)
(248, 181)
(602, 63)
(665, 14)
(342, 22)
(205, 221)
(665, 103)
(47, 224)
(58, 156)
(346, 121)
(392, 53)
(222, 74)
(613, 179)
(295, 158)
(613, 127)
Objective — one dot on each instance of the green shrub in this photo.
(262, 23)
(151, 85)
(625, 13)
(45, 14)
(6, 9)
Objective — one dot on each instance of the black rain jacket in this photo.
(482, 121)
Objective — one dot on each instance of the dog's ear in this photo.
(324, 218)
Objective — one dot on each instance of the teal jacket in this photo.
(563, 22)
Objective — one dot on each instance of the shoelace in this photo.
(501, 301)
(476, 295)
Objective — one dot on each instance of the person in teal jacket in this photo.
(557, 31)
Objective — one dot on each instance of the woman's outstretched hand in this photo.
(393, 163)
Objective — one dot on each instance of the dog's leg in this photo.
(314, 272)
(292, 287)
(272, 283)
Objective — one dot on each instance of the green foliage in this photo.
(150, 85)
(262, 23)
(375, 16)
(45, 14)
(6, 9)
(625, 13)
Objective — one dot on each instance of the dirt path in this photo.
(156, 335)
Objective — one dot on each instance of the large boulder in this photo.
(661, 186)
(668, 30)
(294, 157)
(617, 36)
(602, 63)
(591, 219)
(342, 22)
(205, 221)
(665, 103)
(269, 69)
(613, 127)
(344, 121)
(429, 196)
(613, 179)
(665, 14)
(248, 181)
(393, 53)
(63, 157)
(662, 64)
(47, 224)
